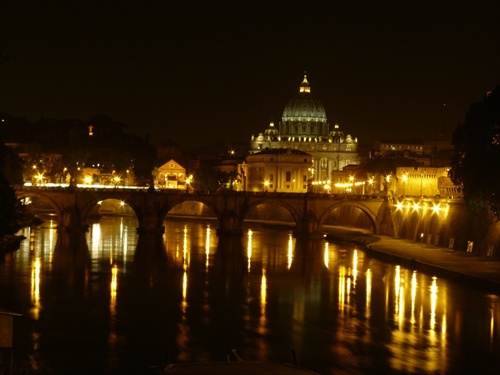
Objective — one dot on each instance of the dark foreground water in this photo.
(265, 295)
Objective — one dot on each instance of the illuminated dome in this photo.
(304, 107)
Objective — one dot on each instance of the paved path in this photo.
(483, 272)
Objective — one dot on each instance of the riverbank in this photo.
(460, 266)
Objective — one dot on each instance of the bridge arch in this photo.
(296, 216)
(369, 214)
(94, 201)
(38, 194)
(195, 199)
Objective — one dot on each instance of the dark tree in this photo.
(10, 209)
(476, 162)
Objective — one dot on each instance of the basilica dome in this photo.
(303, 108)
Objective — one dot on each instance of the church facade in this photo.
(304, 126)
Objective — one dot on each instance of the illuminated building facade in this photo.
(170, 175)
(277, 170)
(304, 127)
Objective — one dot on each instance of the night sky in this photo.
(199, 72)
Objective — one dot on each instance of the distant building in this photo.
(423, 182)
(277, 170)
(170, 175)
(304, 127)
(437, 153)
(398, 148)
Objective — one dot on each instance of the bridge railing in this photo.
(271, 195)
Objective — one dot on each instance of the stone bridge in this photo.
(309, 210)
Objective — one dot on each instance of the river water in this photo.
(264, 295)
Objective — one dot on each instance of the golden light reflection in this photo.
(185, 252)
(290, 251)
(342, 286)
(263, 291)
(434, 298)
(207, 248)
(413, 296)
(263, 303)
(354, 268)
(113, 289)
(35, 288)
(95, 238)
(326, 256)
(398, 303)
(249, 249)
(368, 277)
(184, 290)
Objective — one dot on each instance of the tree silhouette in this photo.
(10, 208)
(476, 162)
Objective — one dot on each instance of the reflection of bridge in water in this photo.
(73, 207)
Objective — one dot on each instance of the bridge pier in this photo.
(71, 231)
(230, 225)
(308, 227)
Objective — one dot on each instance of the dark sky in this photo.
(198, 72)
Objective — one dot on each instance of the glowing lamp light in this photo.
(416, 207)
(399, 206)
(436, 208)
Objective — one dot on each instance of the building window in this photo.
(288, 177)
(304, 178)
(271, 177)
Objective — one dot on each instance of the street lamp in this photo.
(370, 182)
(266, 185)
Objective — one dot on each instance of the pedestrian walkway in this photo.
(482, 272)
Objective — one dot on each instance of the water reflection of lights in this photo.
(184, 289)
(185, 247)
(263, 303)
(35, 288)
(413, 296)
(249, 249)
(434, 296)
(95, 239)
(354, 268)
(207, 248)
(494, 310)
(326, 256)
(413, 311)
(368, 276)
(290, 251)
(113, 289)
(342, 287)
